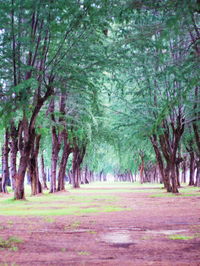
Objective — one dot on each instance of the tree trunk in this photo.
(75, 169)
(166, 179)
(25, 141)
(141, 154)
(164, 172)
(183, 178)
(19, 184)
(86, 177)
(36, 187)
(169, 145)
(54, 160)
(13, 153)
(192, 162)
(63, 164)
(173, 177)
(5, 167)
(177, 163)
(44, 177)
(78, 155)
(197, 183)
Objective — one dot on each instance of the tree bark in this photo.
(44, 177)
(192, 168)
(164, 172)
(197, 183)
(5, 167)
(86, 178)
(19, 184)
(141, 154)
(54, 160)
(183, 178)
(13, 152)
(36, 187)
(78, 155)
(173, 178)
(75, 169)
(63, 163)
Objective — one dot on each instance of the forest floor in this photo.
(109, 224)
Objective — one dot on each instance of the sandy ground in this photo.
(153, 231)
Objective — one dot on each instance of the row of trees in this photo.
(160, 86)
(99, 80)
(52, 53)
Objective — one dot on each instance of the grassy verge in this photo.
(60, 204)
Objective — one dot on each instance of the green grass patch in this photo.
(60, 212)
(91, 198)
(83, 253)
(180, 237)
(183, 192)
(172, 195)
(58, 205)
(10, 243)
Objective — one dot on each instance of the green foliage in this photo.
(124, 68)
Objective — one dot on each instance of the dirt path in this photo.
(152, 231)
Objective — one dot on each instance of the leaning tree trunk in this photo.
(25, 142)
(5, 167)
(164, 172)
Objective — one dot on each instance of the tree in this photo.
(43, 33)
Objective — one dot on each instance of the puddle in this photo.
(122, 237)
(166, 232)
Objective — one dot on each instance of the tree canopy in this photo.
(99, 86)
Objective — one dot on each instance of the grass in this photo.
(92, 198)
(60, 204)
(184, 191)
(57, 210)
(10, 243)
(180, 237)
(83, 253)
(92, 232)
